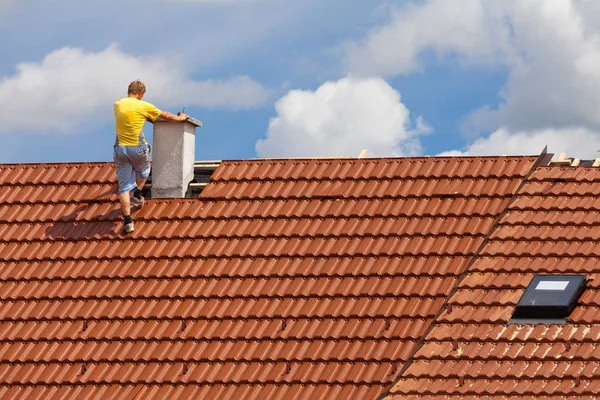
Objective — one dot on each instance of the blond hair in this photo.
(136, 87)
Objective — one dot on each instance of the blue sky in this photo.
(283, 78)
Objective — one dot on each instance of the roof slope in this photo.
(551, 228)
(287, 279)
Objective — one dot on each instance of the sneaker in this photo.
(129, 227)
(137, 202)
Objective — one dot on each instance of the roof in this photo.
(288, 279)
(551, 227)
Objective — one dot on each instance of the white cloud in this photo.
(71, 87)
(576, 142)
(551, 50)
(556, 82)
(342, 118)
(472, 29)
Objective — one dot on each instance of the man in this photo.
(132, 152)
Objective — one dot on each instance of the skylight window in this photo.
(550, 297)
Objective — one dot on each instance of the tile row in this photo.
(486, 297)
(497, 387)
(528, 233)
(560, 188)
(317, 208)
(496, 280)
(514, 333)
(194, 391)
(59, 173)
(198, 372)
(490, 397)
(568, 174)
(460, 167)
(537, 247)
(447, 188)
(127, 248)
(476, 314)
(585, 315)
(55, 193)
(519, 369)
(535, 353)
(65, 212)
(373, 307)
(554, 218)
(207, 351)
(235, 267)
(201, 209)
(532, 264)
(546, 202)
(228, 288)
(213, 329)
(254, 228)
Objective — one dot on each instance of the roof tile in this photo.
(286, 278)
(550, 228)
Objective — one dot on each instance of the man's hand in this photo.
(180, 117)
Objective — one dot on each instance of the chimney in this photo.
(174, 153)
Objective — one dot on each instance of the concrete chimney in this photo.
(174, 153)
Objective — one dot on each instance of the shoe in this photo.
(137, 202)
(129, 227)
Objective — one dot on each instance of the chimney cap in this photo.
(194, 121)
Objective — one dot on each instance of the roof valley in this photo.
(541, 159)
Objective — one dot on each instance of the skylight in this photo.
(550, 296)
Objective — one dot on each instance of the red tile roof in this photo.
(286, 279)
(552, 227)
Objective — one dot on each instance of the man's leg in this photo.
(140, 182)
(125, 200)
(137, 200)
(125, 174)
(127, 182)
(125, 203)
(141, 165)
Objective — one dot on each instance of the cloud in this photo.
(550, 50)
(71, 87)
(556, 82)
(340, 119)
(577, 142)
(472, 29)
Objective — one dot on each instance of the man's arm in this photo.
(172, 117)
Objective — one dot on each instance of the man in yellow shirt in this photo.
(132, 152)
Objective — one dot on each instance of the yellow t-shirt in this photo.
(130, 115)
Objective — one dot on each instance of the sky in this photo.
(310, 78)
